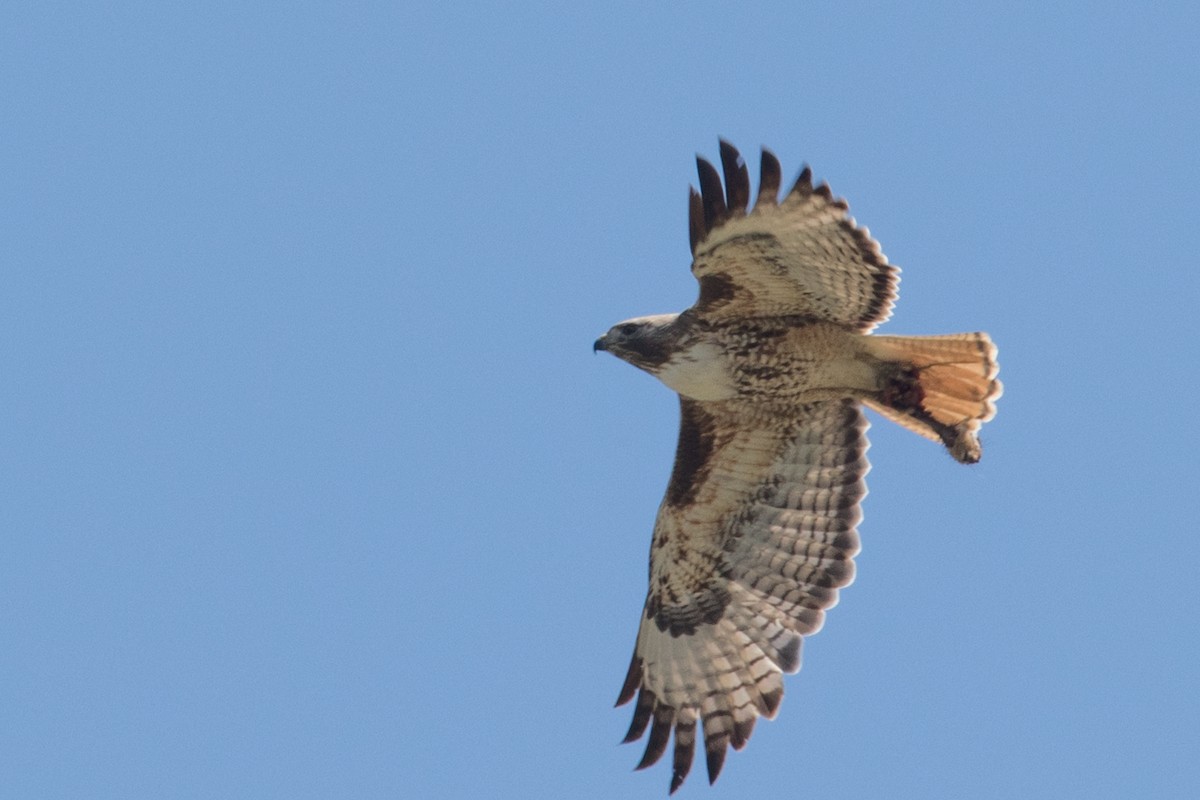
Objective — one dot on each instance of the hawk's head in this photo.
(672, 348)
(645, 342)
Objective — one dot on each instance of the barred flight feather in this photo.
(727, 671)
(807, 256)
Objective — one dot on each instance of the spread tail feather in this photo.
(942, 387)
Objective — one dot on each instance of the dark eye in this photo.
(627, 329)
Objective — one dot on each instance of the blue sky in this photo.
(314, 488)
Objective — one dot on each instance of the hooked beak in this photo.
(600, 344)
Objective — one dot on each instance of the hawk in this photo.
(773, 364)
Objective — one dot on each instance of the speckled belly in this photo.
(803, 363)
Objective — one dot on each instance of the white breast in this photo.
(699, 373)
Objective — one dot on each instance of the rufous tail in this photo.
(942, 387)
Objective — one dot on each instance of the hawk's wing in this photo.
(753, 539)
(802, 256)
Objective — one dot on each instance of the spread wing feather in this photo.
(754, 538)
(802, 256)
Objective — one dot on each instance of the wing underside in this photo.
(802, 256)
(754, 538)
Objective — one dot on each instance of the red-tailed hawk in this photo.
(757, 531)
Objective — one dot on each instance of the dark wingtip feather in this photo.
(770, 175)
(803, 185)
(633, 679)
(737, 178)
(711, 193)
(685, 750)
(741, 732)
(789, 655)
(696, 229)
(771, 701)
(641, 716)
(660, 733)
(714, 757)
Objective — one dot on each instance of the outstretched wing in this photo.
(752, 541)
(802, 256)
